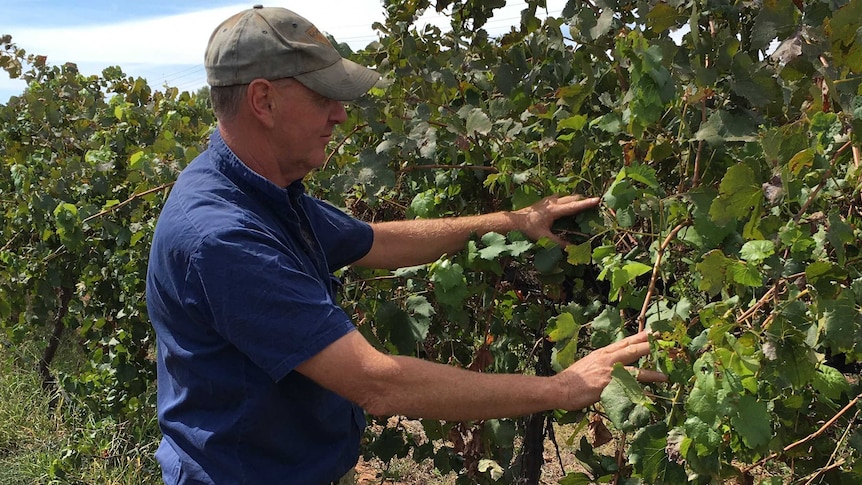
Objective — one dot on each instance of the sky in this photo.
(163, 41)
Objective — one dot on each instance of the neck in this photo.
(256, 153)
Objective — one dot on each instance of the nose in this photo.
(337, 113)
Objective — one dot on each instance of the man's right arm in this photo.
(387, 385)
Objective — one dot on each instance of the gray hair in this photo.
(227, 100)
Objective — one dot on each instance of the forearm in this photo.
(417, 388)
(408, 243)
(387, 385)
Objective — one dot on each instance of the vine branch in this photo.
(48, 381)
(655, 269)
(342, 142)
(822, 182)
(808, 438)
(129, 201)
(695, 178)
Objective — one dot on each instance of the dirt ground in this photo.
(408, 472)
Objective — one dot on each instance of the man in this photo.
(262, 377)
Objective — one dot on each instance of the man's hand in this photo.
(584, 381)
(536, 220)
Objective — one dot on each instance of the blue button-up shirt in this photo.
(240, 291)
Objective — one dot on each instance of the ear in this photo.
(261, 99)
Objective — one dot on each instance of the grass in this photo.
(47, 440)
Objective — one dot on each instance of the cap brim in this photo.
(343, 81)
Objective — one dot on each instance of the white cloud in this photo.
(162, 48)
(176, 39)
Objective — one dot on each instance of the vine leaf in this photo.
(722, 126)
(756, 251)
(625, 274)
(752, 421)
(846, 48)
(739, 194)
(830, 382)
(450, 286)
(564, 330)
(579, 253)
(478, 122)
(776, 18)
(662, 17)
(840, 325)
(648, 455)
(624, 400)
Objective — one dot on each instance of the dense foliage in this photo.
(723, 138)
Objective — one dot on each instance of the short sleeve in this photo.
(262, 298)
(344, 239)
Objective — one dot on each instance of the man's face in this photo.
(305, 121)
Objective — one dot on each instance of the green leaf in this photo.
(830, 382)
(722, 127)
(662, 17)
(707, 399)
(562, 327)
(450, 285)
(389, 444)
(579, 253)
(839, 234)
(495, 246)
(575, 123)
(756, 251)
(607, 328)
(373, 171)
(648, 455)
(846, 47)
(611, 123)
(394, 323)
(752, 422)
(548, 259)
(802, 161)
(776, 19)
(745, 274)
(576, 478)
(620, 194)
(625, 274)
(641, 173)
(424, 204)
(478, 122)
(704, 437)
(826, 277)
(707, 233)
(624, 401)
(739, 194)
(419, 305)
(566, 356)
(840, 323)
(794, 362)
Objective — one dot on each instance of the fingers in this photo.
(631, 349)
(575, 203)
(630, 353)
(637, 338)
(646, 375)
(570, 199)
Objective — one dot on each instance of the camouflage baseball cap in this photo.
(274, 43)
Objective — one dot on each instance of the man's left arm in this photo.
(399, 244)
